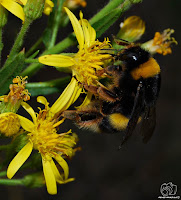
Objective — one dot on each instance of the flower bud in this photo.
(132, 29)
(9, 124)
(34, 9)
(34, 180)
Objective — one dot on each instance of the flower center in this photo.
(46, 140)
(88, 61)
(44, 136)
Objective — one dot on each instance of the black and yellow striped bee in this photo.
(128, 100)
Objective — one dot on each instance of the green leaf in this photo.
(106, 21)
(10, 71)
(49, 87)
(34, 54)
(106, 10)
(50, 33)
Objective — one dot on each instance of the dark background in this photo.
(137, 170)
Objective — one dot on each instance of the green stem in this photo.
(1, 44)
(34, 47)
(56, 23)
(19, 40)
(12, 182)
(110, 6)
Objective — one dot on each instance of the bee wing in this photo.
(137, 108)
(148, 123)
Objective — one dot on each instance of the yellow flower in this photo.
(9, 124)
(132, 29)
(88, 61)
(161, 43)
(48, 7)
(42, 135)
(13, 7)
(9, 121)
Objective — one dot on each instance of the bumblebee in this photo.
(130, 98)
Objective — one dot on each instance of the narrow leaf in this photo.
(10, 71)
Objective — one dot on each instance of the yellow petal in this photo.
(92, 34)
(85, 30)
(14, 8)
(57, 175)
(89, 32)
(25, 123)
(76, 93)
(43, 100)
(86, 101)
(63, 164)
(30, 110)
(19, 159)
(49, 177)
(64, 98)
(77, 28)
(56, 60)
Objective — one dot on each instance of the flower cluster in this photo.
(44, 134)
(43, 137)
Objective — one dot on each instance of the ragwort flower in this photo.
(42, 135)
(88, 61)
(161, 43)
(13, 7)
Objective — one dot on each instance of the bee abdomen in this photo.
(112, 123)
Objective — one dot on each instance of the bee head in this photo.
(134, 56)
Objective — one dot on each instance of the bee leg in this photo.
(71, 114)
(107, 95)
(84, 119)
(102, 92)
(138, 105)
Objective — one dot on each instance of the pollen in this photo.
(163, 41)
(9, 124)
(89, 61)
